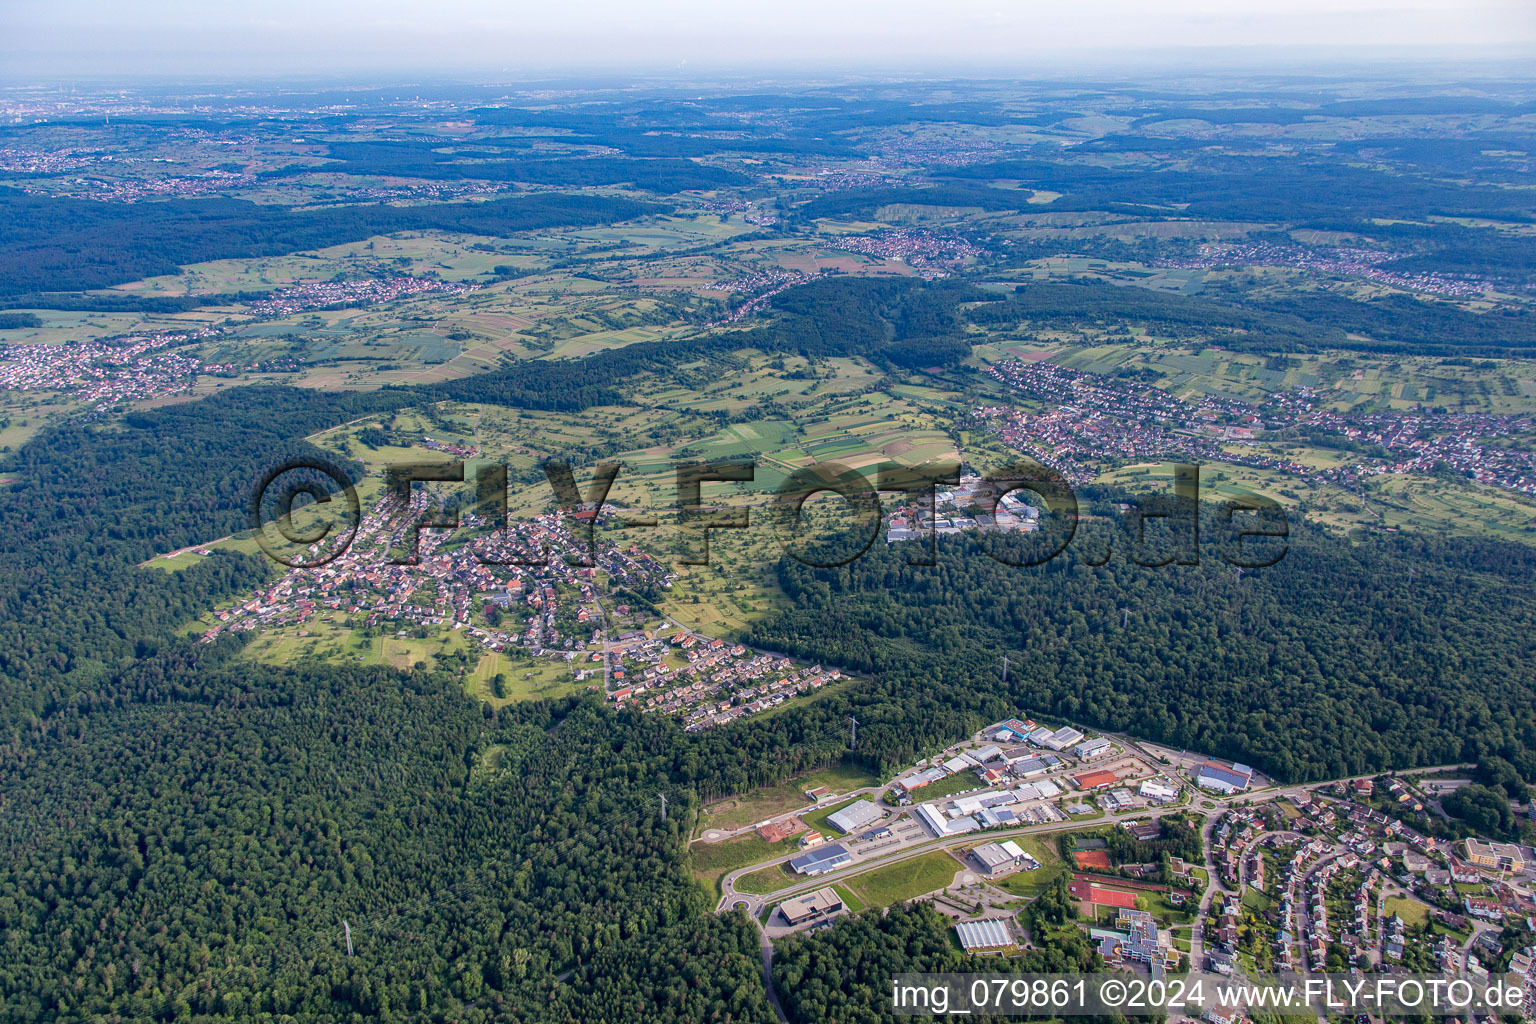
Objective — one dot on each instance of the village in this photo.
(532, 590)
(385, 287)
(930, 253)
(1371, 264)
(106, 373)
(1090, 421)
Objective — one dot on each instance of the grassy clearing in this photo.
(1033, 883)
(712, 861)
(770, 801)
(318, 640)
(950, 785)
(769, 879)
(526, 678)
(905, 880)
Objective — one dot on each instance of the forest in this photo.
(663, 175)
(1298, 321)
(843, 975)
(1334, 661)
(52, 244)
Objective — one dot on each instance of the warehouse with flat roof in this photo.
(857, 815)
(1223, 777)
(821, 860)
(819, 904)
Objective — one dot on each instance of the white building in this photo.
(1063, 738)
(855, 816)
(1090, 750)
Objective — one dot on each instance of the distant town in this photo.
(1090, 421)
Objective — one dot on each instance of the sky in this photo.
(200, 37)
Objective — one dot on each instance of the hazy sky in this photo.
(72, 37)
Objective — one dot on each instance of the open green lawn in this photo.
(769, 879)
(1255, 900)
(713, 860)
(326, 641)
(527, 678)
(1032, 883)
(905, 880)
(1410, 910)
(960, 782)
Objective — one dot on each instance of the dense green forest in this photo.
(1299, 321)
(1256, 189)
(1333, 661)
(843, 975)
(100, 498)
(664, 175)
(193, 849)
(56, 244)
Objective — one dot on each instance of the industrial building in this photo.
(1223, 777)
(1025, 767)
(855, 816)
(1089, 750)
(1095, 780)
(942, 826)
(1015, 729)
(996, 858)
(1061, 739)
(819, 904)
(821, 860)
(1158, 792)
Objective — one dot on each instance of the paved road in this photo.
(727, 884)
(766, 946)
(1213, 886)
